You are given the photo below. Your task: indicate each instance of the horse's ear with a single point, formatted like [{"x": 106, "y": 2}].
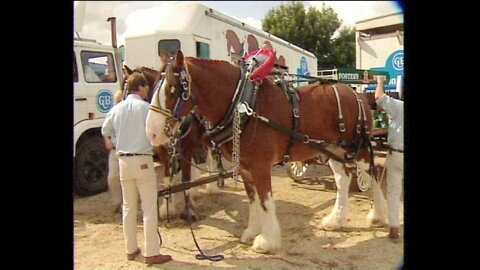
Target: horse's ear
[
  {"x": 178, "y": 61},
  {"x": 127, "y": 70}
]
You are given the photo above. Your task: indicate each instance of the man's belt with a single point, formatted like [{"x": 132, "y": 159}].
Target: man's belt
[
  {"x": 131, "y": 155},
  {"x": 390, "y": 150}
]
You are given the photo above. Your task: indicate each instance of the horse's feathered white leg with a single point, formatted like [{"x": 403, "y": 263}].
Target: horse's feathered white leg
[
  {"x": 176, "y": 203},
  {"x": 212, "y": 188},
  {"x": 377, "y": 217},
  {"x": 254, "y": 221},
  {"x": 175, "y": 206},
  {"x": 337, "y": 218},
  {"x": 270, "y": 238},
  {"x": 194, "y": 175}
]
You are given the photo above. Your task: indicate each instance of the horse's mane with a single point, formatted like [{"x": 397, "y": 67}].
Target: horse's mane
[
  {"x": 209, "y": 61},
  {"x": 143, "y": 68}
]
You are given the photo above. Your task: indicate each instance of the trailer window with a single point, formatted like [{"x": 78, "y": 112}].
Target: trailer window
[
  {"x": 203, "y": 50},
  {"x": 98, "y": 67},
  {"x": 172, "y": 46},
  {"x": 75, "y": 71}
]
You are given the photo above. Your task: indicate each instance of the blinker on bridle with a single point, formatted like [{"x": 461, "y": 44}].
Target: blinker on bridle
[{"x": 182, "y": 98}]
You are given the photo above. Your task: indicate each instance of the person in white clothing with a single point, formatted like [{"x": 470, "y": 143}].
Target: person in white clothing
[
  {"x": 394, "y": 160},
  {"x": 126, "y": 122},
  {"x": 113, "y": 177}
]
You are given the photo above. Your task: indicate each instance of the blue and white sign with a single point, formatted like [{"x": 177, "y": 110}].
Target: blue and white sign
[
  {"x": 303, "y": 71},
  {"x": 394, "y": 65},
  {"x": 397, "y": 61},
  {"x": 104, "y": 100}
]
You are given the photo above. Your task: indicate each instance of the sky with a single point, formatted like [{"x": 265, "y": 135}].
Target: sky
[{"x": 134, "y": 15}]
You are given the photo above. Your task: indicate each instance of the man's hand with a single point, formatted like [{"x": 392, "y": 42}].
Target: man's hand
[
  {"x": 380, "y": 80},
  {"x": 108, "y": 143},
  {"x": 379, "y": 92}
]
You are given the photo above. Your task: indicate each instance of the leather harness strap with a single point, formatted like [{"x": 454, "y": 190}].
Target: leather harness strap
[
  {"x": 317, "y": 145},
  {"x": 341, "y": 123},
  {"x": 294, "y": 99},
  {"x": 246, "y": 93}
]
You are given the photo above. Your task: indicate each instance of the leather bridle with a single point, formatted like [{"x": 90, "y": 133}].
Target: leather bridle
[{"x": 182, "y": 93}]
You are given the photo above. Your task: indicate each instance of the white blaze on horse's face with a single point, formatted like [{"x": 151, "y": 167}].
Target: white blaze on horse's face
[{"x": 156, "y": 121}]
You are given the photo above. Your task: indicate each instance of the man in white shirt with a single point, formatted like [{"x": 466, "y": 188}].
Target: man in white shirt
[
  {"x": 126, "y": 122},
  {"x": 394, "y": 160}
]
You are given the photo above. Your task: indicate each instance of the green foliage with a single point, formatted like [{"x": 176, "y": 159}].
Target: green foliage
[
  {"x": 343, "y": 49},
  {"x": 312, "y": 30}
]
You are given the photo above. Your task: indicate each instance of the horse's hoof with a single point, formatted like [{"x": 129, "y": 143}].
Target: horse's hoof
[
  {"x": 193, "y": 217},
  {"x": 248, "y": 236},
  {"x": 214, "y": 189},
  {"x": 164, "y": 213},
  {"x": 262, "y": 245},
  {"x": 117, "y": 209},
  {"x": 331, "y": 224},
  {"x": 376, "y": 220},
  {"x": 376, "y": 223}
]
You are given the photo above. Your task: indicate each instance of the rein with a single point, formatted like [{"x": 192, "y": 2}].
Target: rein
[
  {"x": 173, "y": 142},
  {"x": 159, "y": 109}
]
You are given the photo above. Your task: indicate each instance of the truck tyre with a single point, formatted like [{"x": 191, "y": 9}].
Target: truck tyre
[
  {"x": 91, "y": 167},
  {"x": 296, "y": 170}
]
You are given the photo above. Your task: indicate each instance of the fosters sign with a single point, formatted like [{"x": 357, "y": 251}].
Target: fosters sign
[{"x": 360, "y": 76}]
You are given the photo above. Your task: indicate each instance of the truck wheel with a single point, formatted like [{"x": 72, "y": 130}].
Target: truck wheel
[
  {"x": 296, "y": 170},
  {"x": 361, "y": 181},
  {"x": 91, "y": 167}
]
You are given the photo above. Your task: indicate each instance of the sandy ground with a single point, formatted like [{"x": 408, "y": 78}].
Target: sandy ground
[{"x": 223, "y": 217}]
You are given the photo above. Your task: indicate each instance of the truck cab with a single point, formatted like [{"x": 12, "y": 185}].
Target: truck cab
[{"x": 95, "y": 80}]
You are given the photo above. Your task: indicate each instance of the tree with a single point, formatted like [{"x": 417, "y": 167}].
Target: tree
[
  {"x": 313, "y": 31},
  {"x": 343, "y": 46}
]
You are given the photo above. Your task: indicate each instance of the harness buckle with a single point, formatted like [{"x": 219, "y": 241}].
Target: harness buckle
[
  {"x": 184, "y": 85},
  {"x": 185, "y": 95},
  {"x": 296, "y": 113},
  {"x": 306, "y": 139},
  {"x": 342, "y": 127},
  {"x": 286, "y": 158},
  {"x": 358, "y": 128},
  {"x": 245, "y": 108}
]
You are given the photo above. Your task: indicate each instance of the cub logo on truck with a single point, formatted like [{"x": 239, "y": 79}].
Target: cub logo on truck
[
  {"x": 397, "y": 61},
  {"x": 104, "y": 101}
]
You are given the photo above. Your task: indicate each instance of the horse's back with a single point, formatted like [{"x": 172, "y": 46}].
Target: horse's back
[{"x": 319, "y": 112}]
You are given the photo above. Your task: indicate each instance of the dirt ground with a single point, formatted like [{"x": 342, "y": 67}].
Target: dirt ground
[{"x": 223, "y": 217}]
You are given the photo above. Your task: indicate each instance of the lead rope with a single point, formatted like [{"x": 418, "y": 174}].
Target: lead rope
[
  {"x": 173, "y": 165},
  {"x": 201, "y": 256}
]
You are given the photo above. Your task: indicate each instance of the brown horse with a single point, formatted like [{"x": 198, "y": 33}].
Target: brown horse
[
  {"x": 189, "y": 146},
  {"x": 212, "y": 85}
]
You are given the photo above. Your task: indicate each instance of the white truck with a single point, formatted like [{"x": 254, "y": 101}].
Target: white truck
[
  {"x": 97, "y": 75},
  {"x": 199, "y": 31}
]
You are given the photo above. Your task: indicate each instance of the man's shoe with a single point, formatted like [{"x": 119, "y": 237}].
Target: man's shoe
[
  {"x": 159, "y": 259},
  {"x": 133, "y": 255},
  {"x": 393, "y": 234}
]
